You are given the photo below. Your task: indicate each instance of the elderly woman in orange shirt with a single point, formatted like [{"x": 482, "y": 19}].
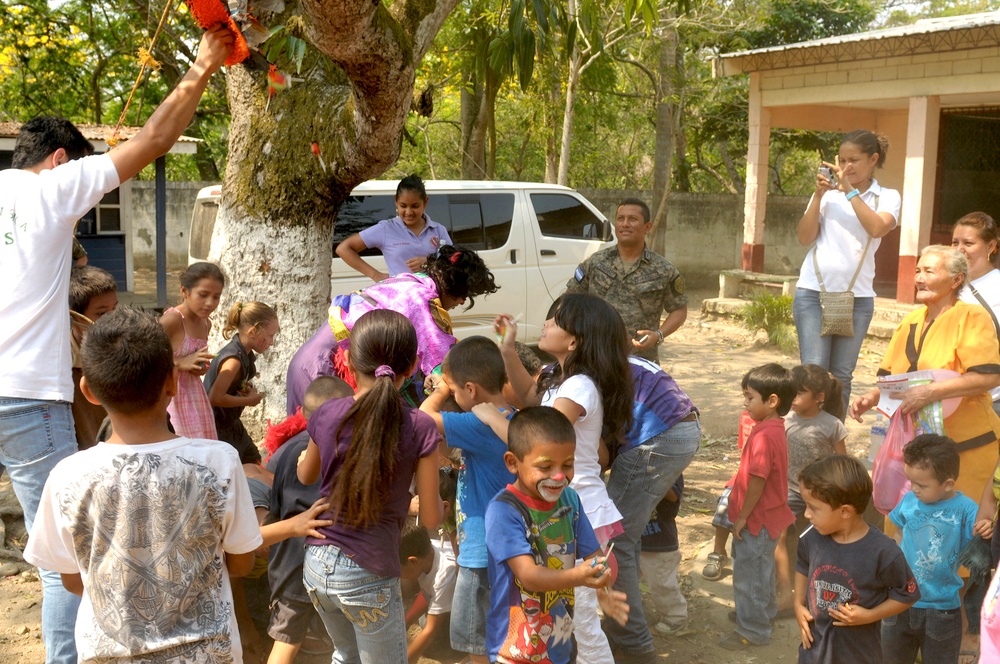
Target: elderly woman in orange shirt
[{"x": 947, "y": 333}]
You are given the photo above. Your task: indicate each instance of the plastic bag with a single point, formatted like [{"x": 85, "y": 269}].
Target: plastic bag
[{"x": 887, "y": 472}]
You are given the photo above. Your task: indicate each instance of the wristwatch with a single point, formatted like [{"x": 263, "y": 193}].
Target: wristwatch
[{"x": 660, "y": 335}]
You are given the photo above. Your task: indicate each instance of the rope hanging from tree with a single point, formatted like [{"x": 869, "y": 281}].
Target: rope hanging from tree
[{"x": 207, "y": 13}]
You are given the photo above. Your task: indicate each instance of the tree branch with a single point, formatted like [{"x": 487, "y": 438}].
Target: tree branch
[
  {"x": 644, "y": 69},
  {"x": 378, "y": 52}
]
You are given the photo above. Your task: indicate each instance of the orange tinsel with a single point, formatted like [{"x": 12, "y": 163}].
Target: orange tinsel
[{"x": 208, "y": 14}]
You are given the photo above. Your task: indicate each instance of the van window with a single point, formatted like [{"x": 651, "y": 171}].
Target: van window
[
  {"x": 358, "y": 213},
  {"x": 202, "y": 227},
  {"x": 479, "y": 221},
  {"x": 561, "y": 215}
]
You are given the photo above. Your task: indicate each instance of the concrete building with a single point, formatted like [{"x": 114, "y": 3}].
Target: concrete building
[{"x": 933, "y": 88}]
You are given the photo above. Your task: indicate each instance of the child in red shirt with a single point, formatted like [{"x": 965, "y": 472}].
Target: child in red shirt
[{"x": 758, "y": 505}]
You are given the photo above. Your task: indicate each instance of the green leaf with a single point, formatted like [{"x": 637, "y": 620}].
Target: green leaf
[
  {"x": 515, "y": 22},
  {"x": 571, "y": 37},
  {"x": 499, "y": 55},
  {"x": 296, "y": 52},
  {"x": 274, "y": 47},
  {"x": 540, "y": 15},
  {"x": 629, "y": 10},
  {"x": 526, "y": 60}
]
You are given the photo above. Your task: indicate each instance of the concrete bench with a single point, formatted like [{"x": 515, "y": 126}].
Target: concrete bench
[{"x": 739, "y": 283}]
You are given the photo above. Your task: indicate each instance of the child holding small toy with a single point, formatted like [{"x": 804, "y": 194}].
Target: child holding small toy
[
  {"x": 228, "y": 378},
  {"x": 188, "y": 326}
]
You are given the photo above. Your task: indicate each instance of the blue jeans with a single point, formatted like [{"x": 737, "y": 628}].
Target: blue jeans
[
  {"x": 754, "y": 586},
  {"x": 34, "y": 436},
  {"x": 937, "y": 634},
  {"x": 640, "y": 478},
  {"x": 362, "y": 610},
  {"x": 469, "y": 610},
  {"x": 838, "y": 355}
]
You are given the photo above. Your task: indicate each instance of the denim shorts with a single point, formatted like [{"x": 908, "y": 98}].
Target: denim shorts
[
  {"x": 721, "y": 518},
  {"x": 469, "y": 609}
]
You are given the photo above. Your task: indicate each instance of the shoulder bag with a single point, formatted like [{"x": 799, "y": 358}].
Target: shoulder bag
[{"x": 838, "y": 307}]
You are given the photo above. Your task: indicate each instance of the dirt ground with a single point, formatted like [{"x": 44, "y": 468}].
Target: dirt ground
[{"x": 708, "y": 359}]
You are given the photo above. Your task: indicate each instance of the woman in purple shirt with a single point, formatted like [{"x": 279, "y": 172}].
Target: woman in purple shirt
[{"x": 405, "y": 240}]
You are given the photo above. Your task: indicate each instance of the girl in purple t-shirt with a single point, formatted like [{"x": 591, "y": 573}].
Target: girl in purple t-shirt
[{"x": 367, "y": 450}]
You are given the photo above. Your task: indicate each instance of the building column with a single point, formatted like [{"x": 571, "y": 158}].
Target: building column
[
  {"x": 755, "y": 198},
  {"x": 919, "y": 175}
]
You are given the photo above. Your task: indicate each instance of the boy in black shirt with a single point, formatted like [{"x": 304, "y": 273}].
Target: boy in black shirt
[
  {"x": 849, "y": 575},
  {"x": 292, "y": 612}
]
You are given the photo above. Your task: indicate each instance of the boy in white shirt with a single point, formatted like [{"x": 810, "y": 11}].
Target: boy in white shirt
[{"x": 147, "y": 526}]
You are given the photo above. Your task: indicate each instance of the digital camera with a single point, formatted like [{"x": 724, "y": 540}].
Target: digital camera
[{"x": 828, "y": 172}]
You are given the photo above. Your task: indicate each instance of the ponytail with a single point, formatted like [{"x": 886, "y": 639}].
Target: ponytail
[
  {"x": 383, "y": 346},
  {"x": 246, "y": 316}
]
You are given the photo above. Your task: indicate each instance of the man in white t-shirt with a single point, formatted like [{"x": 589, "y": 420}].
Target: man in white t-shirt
[{"x": 51, "y": 185}]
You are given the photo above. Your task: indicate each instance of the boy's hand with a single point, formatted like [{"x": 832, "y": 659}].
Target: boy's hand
[
  {"x": 435, "y": 383},
  {"x": 803, "y": 617},
  {"x": 488, "y": 413},
  {"x": 983, "y": 528},
  {"x": 850, "y": 615},
  {"x": 614, "y": 603},
  {"x": 305, "y": 524},
  {"x": 593, "y": 575},
  {"x": 738, "y": 527}
]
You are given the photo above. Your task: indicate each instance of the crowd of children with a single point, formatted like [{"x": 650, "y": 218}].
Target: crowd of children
[
  {"x": 524, "y": 503},
  {"x": 502, "y": 579},
  {"x": 144, "y": 526}
]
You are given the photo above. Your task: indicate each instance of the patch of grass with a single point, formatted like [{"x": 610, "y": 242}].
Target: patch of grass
[{"x": 773, "y": 314}]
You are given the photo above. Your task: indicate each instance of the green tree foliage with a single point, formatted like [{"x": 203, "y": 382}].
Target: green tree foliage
[
  {"x": 790, "y": 21},
  {"x": 904, "y": 13},
  {"x": 78, "y": 59}
]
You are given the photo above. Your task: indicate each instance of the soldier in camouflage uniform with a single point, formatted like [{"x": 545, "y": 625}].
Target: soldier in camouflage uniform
[{"x": 639, "y": 283}]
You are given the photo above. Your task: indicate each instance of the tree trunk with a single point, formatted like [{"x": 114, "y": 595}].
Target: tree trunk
[
  {"x": 473, "y": 116},
  {"x": 551, "y": 144},
  {"x": 575, "y": 69},
  {"x": 273, "y": 234},
  {"x": 663, "y": 153},
  {"x": 492, "y": 89},
  {"x": 286, "y": 267}
]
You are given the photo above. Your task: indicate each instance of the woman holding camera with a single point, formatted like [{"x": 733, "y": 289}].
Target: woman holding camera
[{"x": 848, "y": 214}]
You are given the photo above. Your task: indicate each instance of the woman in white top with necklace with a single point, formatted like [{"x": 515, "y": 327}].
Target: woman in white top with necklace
[
  {"x": 845, "y": 219},
  {"x": 976, "y": 236}
]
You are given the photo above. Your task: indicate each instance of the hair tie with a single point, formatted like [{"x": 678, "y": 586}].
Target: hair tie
[
  {"x": 239, "y": 307},
  {"x": 385, "y": 370},
  {"x": 454, "y": 257}
]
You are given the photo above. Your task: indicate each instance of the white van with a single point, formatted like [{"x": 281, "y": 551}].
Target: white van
[{"x": 531, "y": 236}]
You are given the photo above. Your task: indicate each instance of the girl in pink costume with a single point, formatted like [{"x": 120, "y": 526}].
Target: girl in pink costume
[{"x": 452, "y": 276}]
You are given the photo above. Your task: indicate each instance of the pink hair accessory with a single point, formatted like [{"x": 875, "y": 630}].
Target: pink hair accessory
[{"x": 385, "y": 370}]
